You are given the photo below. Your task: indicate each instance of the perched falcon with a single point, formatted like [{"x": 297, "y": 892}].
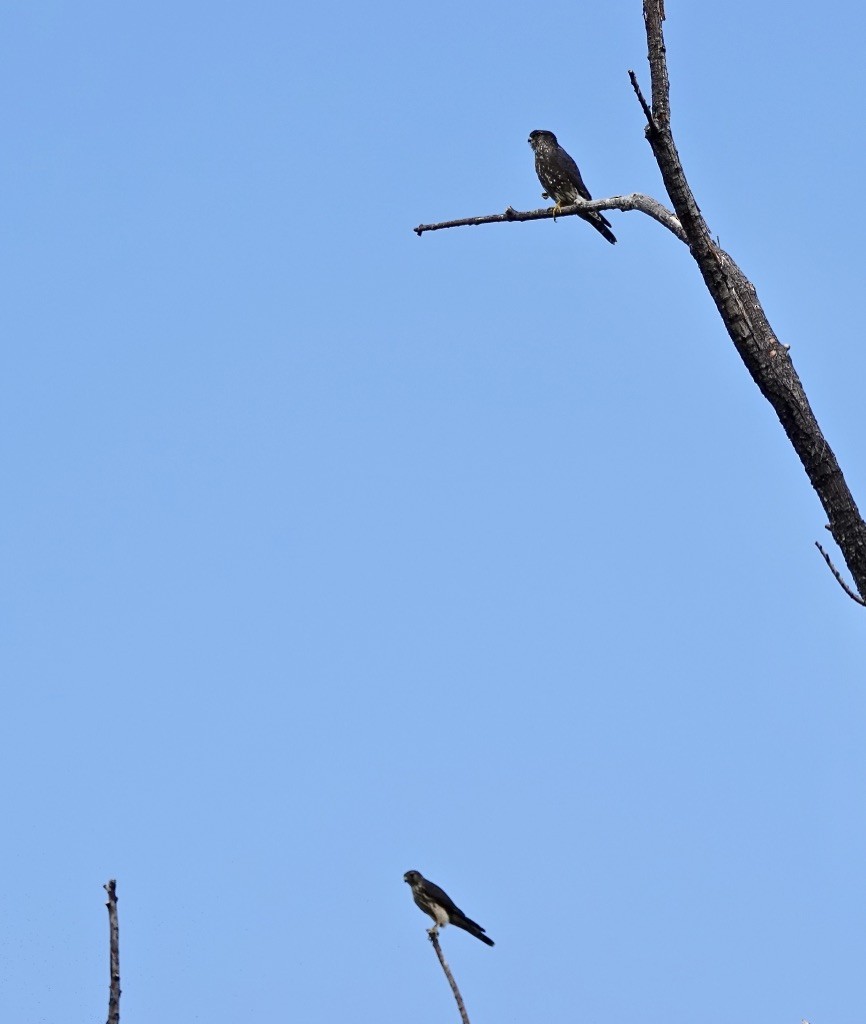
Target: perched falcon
[
  {"x": 561, "y": 179},
  {"x": 439, "y": 905}
]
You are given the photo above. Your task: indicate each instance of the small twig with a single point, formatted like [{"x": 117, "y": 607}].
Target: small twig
[
  {"x": 650, "y": 120},
  {"x": 643, "y": 204},
  {"x": 492, "y": 218},
  {"x": 114, "y": 953},
  {"x": 433, "y": 933},
  {"x": 839, "y": 580}
]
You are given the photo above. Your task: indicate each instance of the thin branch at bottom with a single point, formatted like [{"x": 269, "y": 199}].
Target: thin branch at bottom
[
  {"x": 434, "y": 938},
  {"x": 114, "y": 953}
]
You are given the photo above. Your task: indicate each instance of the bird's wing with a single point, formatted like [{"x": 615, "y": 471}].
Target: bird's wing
[
  {"x": 573, "y": 172},
  {"x": 442, "y": 898}
]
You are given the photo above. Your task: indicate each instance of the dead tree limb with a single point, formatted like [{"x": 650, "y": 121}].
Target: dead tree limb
[
  {"x": 434, "y": 938},
  {"x": 644, "y": 204},
  {"x": 765, "y": 357},
  {"x": 114, "y": 954}
]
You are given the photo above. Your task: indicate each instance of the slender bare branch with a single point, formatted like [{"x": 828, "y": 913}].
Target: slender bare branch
[
  {"x": 114, "y": 953},
  {"x": 644, "y": 204},
  {"x": 433, "y": 934},
  {"x": 648, "y": 114},
  {"x": 838, "y": 575}
]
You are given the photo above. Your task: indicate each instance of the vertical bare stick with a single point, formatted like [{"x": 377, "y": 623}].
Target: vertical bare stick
[
  {"x": 434, "y": 938},
  {"x": 114, "y": 947}
]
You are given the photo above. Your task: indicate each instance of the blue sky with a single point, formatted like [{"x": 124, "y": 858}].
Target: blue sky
[{"x": 330, "y": 552}]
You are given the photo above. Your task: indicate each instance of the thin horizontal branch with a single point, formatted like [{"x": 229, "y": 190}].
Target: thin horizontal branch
[{"x": 643, "y": 204}]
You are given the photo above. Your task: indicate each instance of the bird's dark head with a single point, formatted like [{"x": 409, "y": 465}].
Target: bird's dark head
[
  {"x": 412, "y": 877},
  {"x": 540, "y": 137}
]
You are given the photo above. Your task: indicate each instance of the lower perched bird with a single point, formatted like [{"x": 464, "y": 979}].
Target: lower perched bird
[
  {"x": 561, "y": 179},
  {"x": 439, "y": 905}
]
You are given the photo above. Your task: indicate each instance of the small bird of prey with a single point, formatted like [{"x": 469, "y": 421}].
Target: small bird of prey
[
  {"x": 439, "y": 905},
  {"x": 561, "y": 179}
]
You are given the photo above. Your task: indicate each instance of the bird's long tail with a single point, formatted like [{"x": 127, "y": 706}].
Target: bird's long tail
[
  {"x": 601, "y": 225},
  {"x": 473, "y": 928}
]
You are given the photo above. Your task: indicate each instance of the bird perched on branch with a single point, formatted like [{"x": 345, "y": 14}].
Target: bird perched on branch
[
  {"x": 439, "y": 905},
  {"x": 561, "y": 179}
]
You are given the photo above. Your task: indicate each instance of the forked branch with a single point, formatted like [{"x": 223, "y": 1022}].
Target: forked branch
[{"x": 765, "y": 357}]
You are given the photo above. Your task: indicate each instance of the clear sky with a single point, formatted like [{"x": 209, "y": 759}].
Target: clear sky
[{"x": 330, "y": 552}]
